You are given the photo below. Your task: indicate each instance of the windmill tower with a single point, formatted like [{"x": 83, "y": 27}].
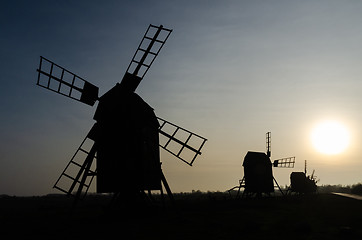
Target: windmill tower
[
  {"x": 258, "y": 174},
  {"x": 122, "y": 148}
]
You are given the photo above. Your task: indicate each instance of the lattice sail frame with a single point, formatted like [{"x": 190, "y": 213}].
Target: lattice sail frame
[
  {"x": 58, "y": 79},
  {"x": 148, "y": 49},
  {"x": 180, "y": 142},
  {"x": 80, "y": 170},
  {"x": 284, "y": 162}
]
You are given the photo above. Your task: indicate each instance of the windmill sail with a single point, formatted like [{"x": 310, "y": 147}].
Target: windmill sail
[
  {"x": 182, "y": 143},
  {"x": 80, "y": 170},
  {"x": 146, "y": 53},
  {"x": 57, "y": 79},
  {"x": 284, "y": 162}
]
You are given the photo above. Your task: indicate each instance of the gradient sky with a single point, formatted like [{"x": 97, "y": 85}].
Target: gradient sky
[{"x": 230, "y": 71}]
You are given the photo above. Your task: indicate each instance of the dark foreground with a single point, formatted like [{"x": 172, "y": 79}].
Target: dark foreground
[{"x": 195, "y": 216}]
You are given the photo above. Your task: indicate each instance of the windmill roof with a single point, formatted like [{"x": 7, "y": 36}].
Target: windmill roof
[{"x": 255, "y": 158}]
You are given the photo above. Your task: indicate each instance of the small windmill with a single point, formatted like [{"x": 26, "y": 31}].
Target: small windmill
[
  {"x": 258, "y": 174},
  {"x": 301, "y": 183},
  {"x": 126, "y": 137}
]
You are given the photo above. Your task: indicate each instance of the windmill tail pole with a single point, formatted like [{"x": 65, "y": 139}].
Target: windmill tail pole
[{"x": 167, "y": 187}]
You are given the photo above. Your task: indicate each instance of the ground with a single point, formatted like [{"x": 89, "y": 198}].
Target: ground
[{"x": 194, "y": 216}]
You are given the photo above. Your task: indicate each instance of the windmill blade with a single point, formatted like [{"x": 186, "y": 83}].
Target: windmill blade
[
  {"x": 312, "y": 176},
  {"x": 284, "y": 162},
  {"x": 57, "y": 79},
  {"x": 80, "y": 170},
  {"x": 147, "y": 51},
  {"x": 182, "y": 143}
]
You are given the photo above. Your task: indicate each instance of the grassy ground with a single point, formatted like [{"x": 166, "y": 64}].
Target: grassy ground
[{"x": 194, "y": 216}]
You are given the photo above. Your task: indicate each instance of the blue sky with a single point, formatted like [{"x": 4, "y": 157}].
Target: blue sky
[{"x": 230, "y": 71}]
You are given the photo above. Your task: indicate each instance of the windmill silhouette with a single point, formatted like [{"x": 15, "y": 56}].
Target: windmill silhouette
[
  {"x": 124, "y": 142},
  {"x": 258, "y": 174},
  {"x": 301, "y": 183}
]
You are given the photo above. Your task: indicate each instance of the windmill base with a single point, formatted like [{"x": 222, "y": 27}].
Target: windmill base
[
  {"x": 250, "y": 194},
  {"x": 145, "y": 196}
]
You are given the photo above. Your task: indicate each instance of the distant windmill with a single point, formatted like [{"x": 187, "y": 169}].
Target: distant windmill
[
  {"x": 258, "y": 174},
  {"x": 301, "y": 183},
  {"x": 124, "y": 141}
]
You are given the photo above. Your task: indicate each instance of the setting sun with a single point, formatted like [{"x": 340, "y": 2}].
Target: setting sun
[{"x": 330, "y": 137}]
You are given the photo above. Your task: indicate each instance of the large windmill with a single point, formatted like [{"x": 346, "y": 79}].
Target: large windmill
[
  {"x": 124, "y": 142},
  {"x": 258, "y": 174}
]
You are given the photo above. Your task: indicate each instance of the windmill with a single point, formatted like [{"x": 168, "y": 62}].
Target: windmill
[
  {"x": 301, "y": 183},
  {"x": 258, "y": 174},
  {"x": 122, "y": 148}
]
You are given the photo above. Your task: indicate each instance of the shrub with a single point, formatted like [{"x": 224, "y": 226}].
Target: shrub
[{"x": 357, "y": 189}]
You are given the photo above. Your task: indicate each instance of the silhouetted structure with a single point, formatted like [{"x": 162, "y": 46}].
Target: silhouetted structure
[
  {"x": 125, "y": 138},
  {"x": 258, "y": 174},
  {"x": 300, "y": 183}
]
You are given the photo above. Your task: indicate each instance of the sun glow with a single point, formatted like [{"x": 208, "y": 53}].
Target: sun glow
[{"x": 330, "y": 137}]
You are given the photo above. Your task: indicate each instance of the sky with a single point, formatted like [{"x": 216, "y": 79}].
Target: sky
[{"x": 230, "y": 71}]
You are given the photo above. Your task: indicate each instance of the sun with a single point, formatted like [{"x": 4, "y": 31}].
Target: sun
[{"x": 330, "y": 137}]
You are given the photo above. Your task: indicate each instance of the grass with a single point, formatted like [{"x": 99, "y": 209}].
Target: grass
[{"x": 194, "y": 216}]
